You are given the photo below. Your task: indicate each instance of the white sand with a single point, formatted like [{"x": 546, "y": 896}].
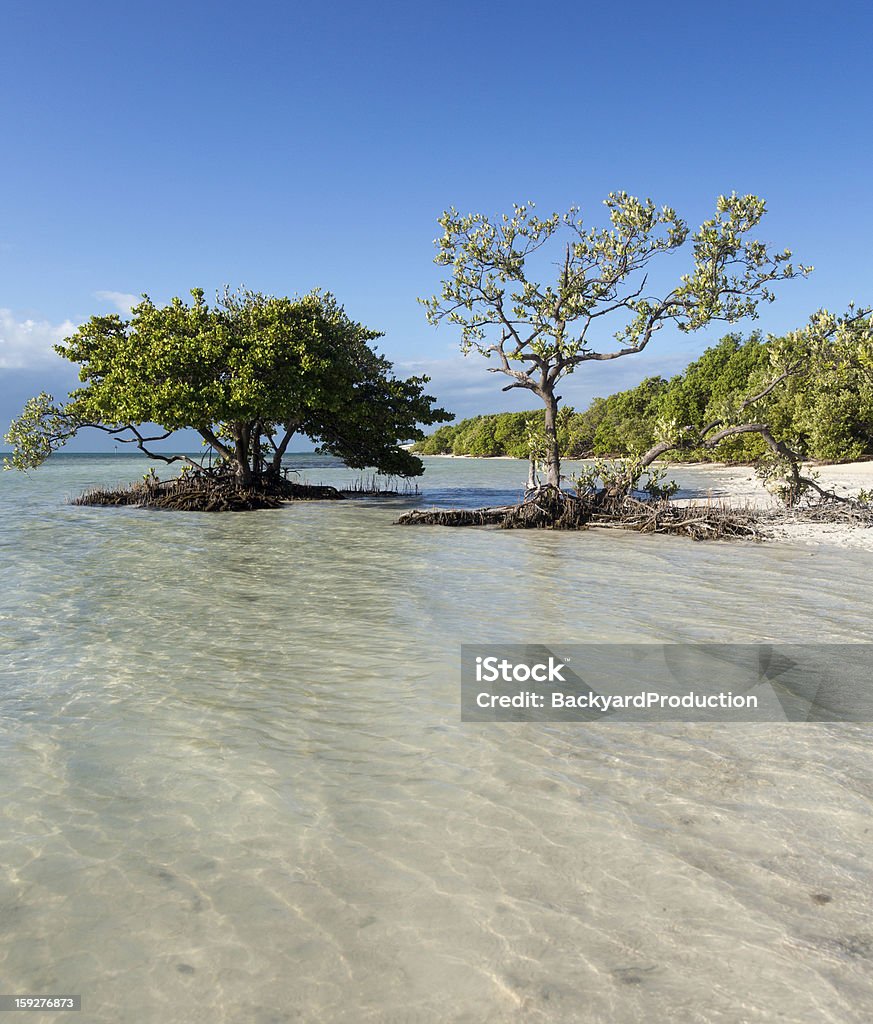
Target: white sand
[{"x": 738, "y": 485}]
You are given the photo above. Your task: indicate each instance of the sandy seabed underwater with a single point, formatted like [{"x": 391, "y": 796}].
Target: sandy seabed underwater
[{"x": 235, "y": 785}]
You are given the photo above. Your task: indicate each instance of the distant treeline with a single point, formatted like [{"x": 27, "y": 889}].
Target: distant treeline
[{"x": 826, "y": 420}]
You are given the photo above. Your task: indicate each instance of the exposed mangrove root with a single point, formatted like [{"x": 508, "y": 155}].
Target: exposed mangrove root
[
  {"x": 209, "y": 500},
  {"x": 455, "y": 516},
  {"x": 196, "y": 493},
  {"x": 289, "y": 491},
  {"x": 556, "y": 510},
  {"x": 372, "y": 487},
  {"x": 699, "y": 522},
  {"x": 839, "y": 512},
  {"x": 550, "y": 509}
]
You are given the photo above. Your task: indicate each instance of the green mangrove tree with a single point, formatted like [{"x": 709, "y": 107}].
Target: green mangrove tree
[
  {"x": 248, "y": 373},
  {"x": 537, "y": 333}
]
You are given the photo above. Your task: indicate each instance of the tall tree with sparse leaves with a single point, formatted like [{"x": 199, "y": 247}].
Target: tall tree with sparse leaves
[{"x": 539, "y": 333}]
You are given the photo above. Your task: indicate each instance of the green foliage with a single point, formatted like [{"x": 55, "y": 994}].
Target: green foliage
[
  {"x": 824, "y": 406},
  {"x": 657, "y": 485},
  {"x": 245, "y": 372},
  {"x": 778, "y": 475},
  {"x": 582, "y": 429},
  {"x": 628, "y": 423},
  {"x": 41, "y": 427},
  {"x": 537, "y": 446},
  {"x": 623, "y": 476},
  {"x": 711, "y": 388},
  {"x": 536, "y": 333},
  {"x": 482, "y": 436},
  {"x": 490, "y": 295}
]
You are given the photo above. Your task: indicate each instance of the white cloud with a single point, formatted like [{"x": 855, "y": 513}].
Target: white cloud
[
  {"x": 26, "y": 343},
  {"x": 29, "y": 343},
  {"x": 123, "y": 301},
  {"x": 462, "y": 385}
]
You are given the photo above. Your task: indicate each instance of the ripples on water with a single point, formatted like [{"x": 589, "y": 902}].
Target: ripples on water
[{"x": 235, "y": 785}]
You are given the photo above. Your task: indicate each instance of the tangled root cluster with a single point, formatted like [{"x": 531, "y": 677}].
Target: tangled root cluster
[
  {"x": 551, "y": 509},
  {"x": 197, "y": 494}
]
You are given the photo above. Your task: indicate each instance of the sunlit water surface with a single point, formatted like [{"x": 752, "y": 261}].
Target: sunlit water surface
[{"x": 235, "y": 786}]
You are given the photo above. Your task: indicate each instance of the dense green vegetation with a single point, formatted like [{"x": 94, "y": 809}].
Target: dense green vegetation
[
  {"x": 826, "y": 415},
  {"x": 248, "y": 374}
]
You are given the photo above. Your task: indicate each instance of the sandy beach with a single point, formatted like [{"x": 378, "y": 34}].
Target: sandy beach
[{"x": 738, "y": 485}]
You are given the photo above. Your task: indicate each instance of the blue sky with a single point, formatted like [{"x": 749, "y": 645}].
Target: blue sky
[{"x": 152, "y": 148}]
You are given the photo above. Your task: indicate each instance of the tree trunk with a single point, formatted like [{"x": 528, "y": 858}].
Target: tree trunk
[
  {"x": 243, "y": 473},
  {"x": 256, "y": 456},
  {"x": 276, "y": 464},
  {"x": 553, "y": 457},
  {"x": 241, "y": 456}
]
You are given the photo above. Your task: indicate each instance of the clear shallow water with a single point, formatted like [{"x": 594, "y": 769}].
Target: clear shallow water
[{"x": 235, "y": 786}]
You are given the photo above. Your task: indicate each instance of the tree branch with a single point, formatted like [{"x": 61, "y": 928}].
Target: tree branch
[{"x": 220, "y": 447}]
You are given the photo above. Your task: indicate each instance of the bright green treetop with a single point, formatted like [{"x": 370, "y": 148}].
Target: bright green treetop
[{"x": 248, "y": 374}]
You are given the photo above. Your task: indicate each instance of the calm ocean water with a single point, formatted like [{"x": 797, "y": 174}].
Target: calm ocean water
[{"x": 235, "y": 786}]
